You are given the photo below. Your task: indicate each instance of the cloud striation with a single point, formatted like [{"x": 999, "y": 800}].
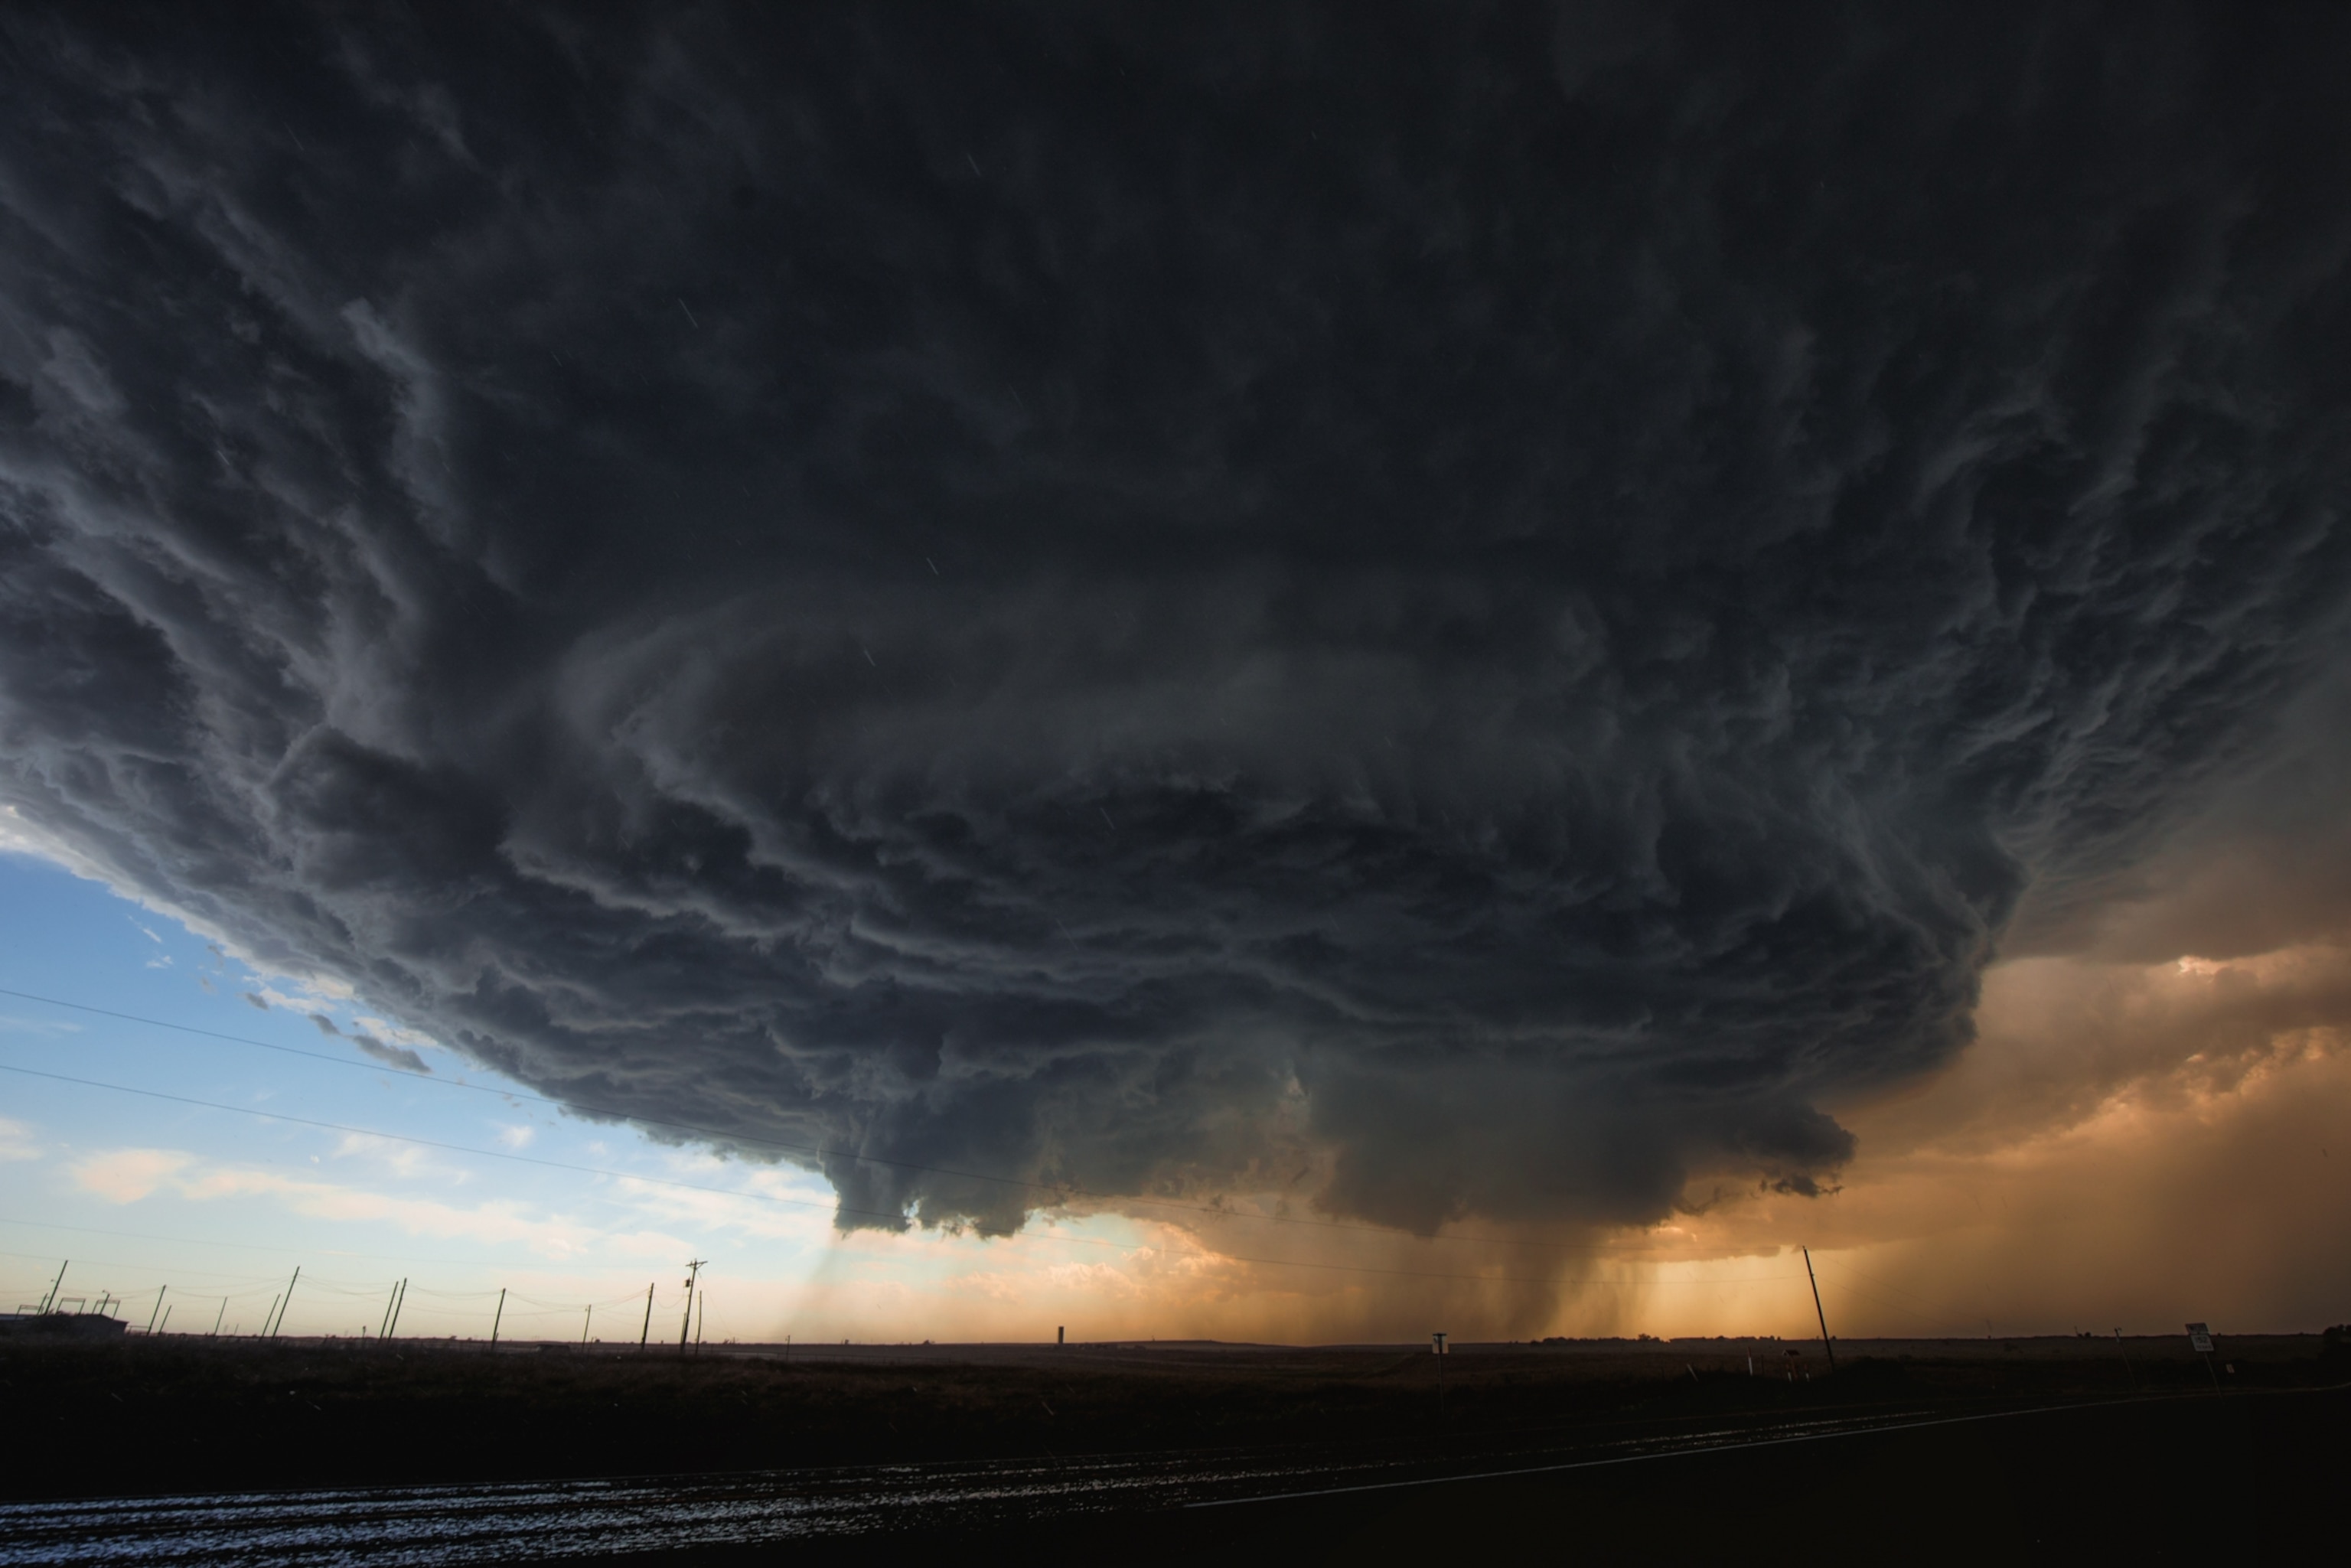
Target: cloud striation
[{"x": 1463, "y": 614}]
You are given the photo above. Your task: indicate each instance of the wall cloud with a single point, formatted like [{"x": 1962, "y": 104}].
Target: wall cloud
[{"x": 1463, "y": 616}]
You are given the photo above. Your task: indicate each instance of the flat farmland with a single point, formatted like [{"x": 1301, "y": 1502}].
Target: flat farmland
[
  {"x": 171, "y": 1413},
  {"x": 196, "y": 1452}
]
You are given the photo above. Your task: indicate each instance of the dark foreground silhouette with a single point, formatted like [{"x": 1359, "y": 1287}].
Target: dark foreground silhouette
[{"x": 1929, "y": 1451}]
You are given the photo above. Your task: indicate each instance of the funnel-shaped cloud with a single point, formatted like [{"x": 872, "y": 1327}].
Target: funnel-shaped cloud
[{"x": 1460, "y": 616}]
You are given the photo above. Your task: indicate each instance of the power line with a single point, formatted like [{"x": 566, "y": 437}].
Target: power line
[
  {"x": 299, "y": 1251},
  {"x": 1910, "y": 1305},
  {"x": 263, "y": 1282},
  {"x": 329, "y": 1287},
  {"x": 806, "y": 1203},
  {"x": 1060, "y": 1191}
]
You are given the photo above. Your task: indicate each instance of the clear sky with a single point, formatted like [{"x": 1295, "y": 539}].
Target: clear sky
[{"x": 1230, "y": 673}]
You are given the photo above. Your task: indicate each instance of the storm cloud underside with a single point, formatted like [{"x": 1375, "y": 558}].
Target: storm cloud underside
[{"x": 1471, "y": 615}]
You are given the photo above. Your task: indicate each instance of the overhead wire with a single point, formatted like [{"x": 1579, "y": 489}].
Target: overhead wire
[
  {"x": 294, "y": 1251},
  {"x": 312, "y": 1285},
  {"x": 1885, "y": 1301},
  {"x": 1062, "y": 1192},
  {"x": 144, "y": 1268},
  {"x": 802, "y": 1203},
  {"x": 1916, "y": 1302},
  {"x": 1841, "y": 1266}
]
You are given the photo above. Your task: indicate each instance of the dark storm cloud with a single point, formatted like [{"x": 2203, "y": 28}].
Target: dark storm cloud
[{"x": 1483, "y": 605}]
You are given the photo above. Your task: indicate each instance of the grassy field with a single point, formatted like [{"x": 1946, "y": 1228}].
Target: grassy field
[{"x": 182, "y": 1413}]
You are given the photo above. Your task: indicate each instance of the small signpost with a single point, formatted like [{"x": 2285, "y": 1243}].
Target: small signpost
[{"x": 2200, "y": 1340}]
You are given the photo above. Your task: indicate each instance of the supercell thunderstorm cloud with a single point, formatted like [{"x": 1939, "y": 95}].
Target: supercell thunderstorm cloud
[{"x": 1447, "y": 614}]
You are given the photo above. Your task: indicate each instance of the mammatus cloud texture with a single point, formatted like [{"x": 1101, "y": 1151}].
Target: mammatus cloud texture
[{"x": 1462, "y": 615}]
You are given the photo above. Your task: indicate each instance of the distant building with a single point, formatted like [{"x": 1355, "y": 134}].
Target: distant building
[{"x": 60, "y": 1325}]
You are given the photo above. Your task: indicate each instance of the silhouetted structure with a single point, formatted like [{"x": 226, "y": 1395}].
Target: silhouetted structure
[{"x": 61, "y": 1325}]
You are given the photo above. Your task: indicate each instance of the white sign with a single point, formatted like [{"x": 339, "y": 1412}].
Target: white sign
[{"x": 2199, "y": 1339}]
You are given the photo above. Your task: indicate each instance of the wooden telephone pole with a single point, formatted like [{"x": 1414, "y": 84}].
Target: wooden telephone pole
[
  {"x": 391, "y": 1310},
  {"x": 286, "y": 1300},
  {"x": 1827, "y": 1343},
  {"x": 693, "y": 1272}
]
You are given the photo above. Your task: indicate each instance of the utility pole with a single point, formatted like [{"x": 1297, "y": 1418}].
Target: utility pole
[
  {"x": 399, "y": 1300},
  {"x": 167, "y": 1320},
  {"x": 693, "y": 1272},
  {"x": 701, "y": 1316},
  {"x": 501, "y": 1316},
  {"x": 218, "y": 1315},
  {"x": 1827, "y": 1343},
  {"x": 2129, "y": 1370},
  {"x": 588, "y": 1322},
  {"x": 265, "y": 1317},
  {"x": 159, "y": 1307},
  {"x": 645, "y": 1333},
  {"x": 57, "y": 1284},
  {"x": 289, "y": 1299}
]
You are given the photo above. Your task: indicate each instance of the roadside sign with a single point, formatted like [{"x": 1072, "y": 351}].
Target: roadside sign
[{"x": 2199, "y": 1339}]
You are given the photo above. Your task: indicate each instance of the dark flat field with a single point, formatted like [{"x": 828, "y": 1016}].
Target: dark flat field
[
  {"x": 414, "y": 1451},
  {"x": 218, "y": 1413}
]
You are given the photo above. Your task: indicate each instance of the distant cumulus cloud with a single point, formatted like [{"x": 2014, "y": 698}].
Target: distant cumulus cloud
[
  {"x": 17, "y": 1141},
  {"x": 398, "y": 1056},
  {"x": 1476, "y": 615}
]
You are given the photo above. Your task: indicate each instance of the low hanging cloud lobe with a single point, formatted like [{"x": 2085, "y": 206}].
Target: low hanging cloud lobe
[{"x": 1462, "y": 612}]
